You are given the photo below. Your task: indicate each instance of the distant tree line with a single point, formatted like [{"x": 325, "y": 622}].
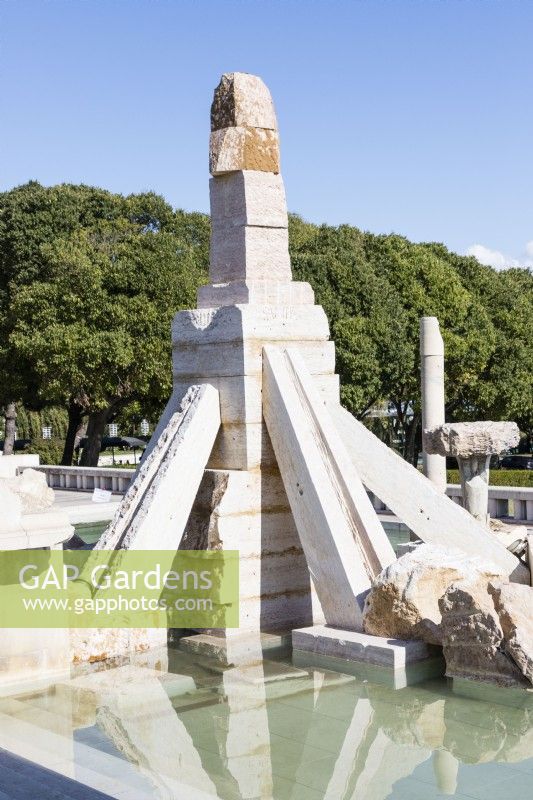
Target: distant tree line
[{"x": 90, "y": 281}]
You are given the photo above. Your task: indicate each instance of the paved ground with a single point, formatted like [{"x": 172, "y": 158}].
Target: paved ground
[
  {"x": 80, "y": 507},
  {"x": 22, "y": 780}
]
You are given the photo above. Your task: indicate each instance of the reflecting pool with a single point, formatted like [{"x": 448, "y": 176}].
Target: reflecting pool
[{"x": 177, "y": 725}]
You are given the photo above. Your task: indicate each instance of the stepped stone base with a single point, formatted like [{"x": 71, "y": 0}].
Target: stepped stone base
[
  {"x": 395, "y": 662},
  {"x": 242, "y": 648}
]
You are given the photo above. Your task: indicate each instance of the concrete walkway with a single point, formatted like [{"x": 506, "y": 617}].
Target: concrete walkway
[
  {"x": 79, "y": 506},
  {"x": 22, "y": 780}
]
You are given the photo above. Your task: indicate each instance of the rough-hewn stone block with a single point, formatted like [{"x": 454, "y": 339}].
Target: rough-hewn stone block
[
  {"x": 246, "y": 358},
  {"x": 251, "y": 323},
  {"x": 242, "y": 99},
  {"x": 238, "y": 253},
  {"x": 248, "y": 198},
  {"x": 256, "y": 292},
  {"x": 361, "y": 647},
  {"x": 233, "y": 149}
]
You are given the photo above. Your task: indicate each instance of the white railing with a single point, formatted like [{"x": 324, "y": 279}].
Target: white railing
[
  {"x": 505, "y": 502},
  {"x": 514, "y": 502},
  {"x": 85, "y": 479}
]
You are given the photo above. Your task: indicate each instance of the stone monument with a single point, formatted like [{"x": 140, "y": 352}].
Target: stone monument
[{"x": 254, "y": 452}]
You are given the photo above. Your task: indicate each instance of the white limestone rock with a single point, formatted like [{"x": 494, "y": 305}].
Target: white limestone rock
[
  {"x": 404, "y": 600},
  {"x": 466, "y": 439},
  {"x": 238, "y": 253},
  {"x": 33, "y": 491},
  {"x": 473, "y": 638},
  {"x": 242, "y": 99},
  {"x": 248, "y": 198},
  {"x": 514, "y": 606}
]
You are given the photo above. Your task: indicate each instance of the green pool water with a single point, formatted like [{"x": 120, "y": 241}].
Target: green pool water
[
  {"x": 90, "y": 532},
  {"x": 173, "y": 725}
]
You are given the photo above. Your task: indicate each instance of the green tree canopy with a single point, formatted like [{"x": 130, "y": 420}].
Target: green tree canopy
[{"x": 90, "y": 302}]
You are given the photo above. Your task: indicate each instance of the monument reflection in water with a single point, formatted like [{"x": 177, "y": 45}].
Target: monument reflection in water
[{"x": 265, "y": 729}]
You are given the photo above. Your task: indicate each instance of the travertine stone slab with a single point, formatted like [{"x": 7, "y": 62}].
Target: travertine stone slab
[
  {"x": 242, "y": 99},
  {"x": 248, "y": 198},
  {"x": 356, "y": 646},
  {"x": 29, "y": 518},
  {"x": 126, "y": 682},
  {"x": 234, "y": 149},
  {"x": 277, "y": 527},
  {"x": 251, "y": 323},
  {"x": 241, "y": 396},
  {"x": 249, "y": 252},
  {"x": 232, "y": 358},
  {"x": 344, "y": 542},
  {"x": 242, "y": 446},
  {"x": 249, "y": 511},
  {"x": 244, "y": 488},
  {"x": 152, "y": 514},
  {"x": 434, "y": 518},
  {"x": 21, "y": 531},
  {"x": 256, "y": 292}
]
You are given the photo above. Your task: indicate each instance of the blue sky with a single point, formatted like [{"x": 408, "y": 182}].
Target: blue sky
[{"x": 413, "y": 116}]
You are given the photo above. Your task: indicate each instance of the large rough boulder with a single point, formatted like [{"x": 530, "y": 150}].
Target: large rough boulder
[
  {"x": 32, "y": 491},
  {"x": 404, "y": 600},
  {"x": 514, "y": 605},
  {"x": 472, "y": 636}
]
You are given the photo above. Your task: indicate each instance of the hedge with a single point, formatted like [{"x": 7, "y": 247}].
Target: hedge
[{"x": 501, "y": 477}]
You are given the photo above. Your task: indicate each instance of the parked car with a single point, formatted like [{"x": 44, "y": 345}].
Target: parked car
[{"x": 517, "y": 462}]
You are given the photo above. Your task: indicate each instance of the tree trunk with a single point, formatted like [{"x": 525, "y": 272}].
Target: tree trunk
[
  {"x": 10, "y": 415},
  {"x": 412, "y": 440},
  {"x": 75, "y": 417},
  {"x": 95, "y": 432}
]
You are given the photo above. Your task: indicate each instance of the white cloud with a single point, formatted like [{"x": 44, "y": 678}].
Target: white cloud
[{"x": 499, "y": 260}]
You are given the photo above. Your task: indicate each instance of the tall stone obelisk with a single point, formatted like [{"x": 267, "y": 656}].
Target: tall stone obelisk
[{"x": 251, "y": 301}]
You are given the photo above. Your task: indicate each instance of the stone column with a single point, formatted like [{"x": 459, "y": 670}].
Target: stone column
[
  {"x": 473, "y": 443},
  {"x": 432, "y": 371}
]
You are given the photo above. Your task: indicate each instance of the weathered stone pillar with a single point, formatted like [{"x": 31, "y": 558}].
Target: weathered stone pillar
[
  {"x": 251, "y": 301},
  {"x": 473, "y": 443},
  {"x": 432, "y": 372}
]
